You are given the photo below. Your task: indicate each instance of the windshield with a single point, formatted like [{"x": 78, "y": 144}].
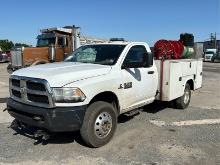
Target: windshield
[
  {"x": 209, "y": 52},
  {"x": 45, "y": 42},
  {"x": 97, "y": 54}
]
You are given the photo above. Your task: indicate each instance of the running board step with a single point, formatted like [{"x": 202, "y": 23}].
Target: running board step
[{"x": 133, "y": 112}]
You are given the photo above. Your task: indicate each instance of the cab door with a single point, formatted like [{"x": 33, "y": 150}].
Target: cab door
[
  {"x": 62, "y": 48},
  {"x": 139, "y": 82}
]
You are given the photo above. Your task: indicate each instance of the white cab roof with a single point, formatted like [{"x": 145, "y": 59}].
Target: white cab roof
[{"x": 56, "y": 29}]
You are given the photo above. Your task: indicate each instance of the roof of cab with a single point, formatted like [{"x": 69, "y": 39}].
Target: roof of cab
[{"x": 117, "y": 43}]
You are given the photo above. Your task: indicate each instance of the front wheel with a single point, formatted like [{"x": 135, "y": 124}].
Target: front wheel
[
  {"x": 183, "y": 101},
  {"x": 10, "y": 69},
  {"x": 99, "y": 124},
  {"x": 213, "y": 60}
]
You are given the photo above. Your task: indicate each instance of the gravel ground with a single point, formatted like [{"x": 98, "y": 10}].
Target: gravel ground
[{"x": 138, "y": 139}]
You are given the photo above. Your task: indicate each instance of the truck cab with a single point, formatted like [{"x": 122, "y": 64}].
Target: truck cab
[
  {"x": 53, "y": 45},
  {"x": 209, "y": 54}
]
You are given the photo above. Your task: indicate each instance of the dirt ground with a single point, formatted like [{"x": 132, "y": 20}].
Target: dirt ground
[{"x": 157, "y": 135}]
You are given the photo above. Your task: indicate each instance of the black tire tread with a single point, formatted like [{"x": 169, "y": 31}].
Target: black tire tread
[
  {"x": 89, "y": 117},
  {"x": 179, "y": 103}
]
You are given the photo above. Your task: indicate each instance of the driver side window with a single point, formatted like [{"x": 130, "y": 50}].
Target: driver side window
[{"x": 136, "y": 55}]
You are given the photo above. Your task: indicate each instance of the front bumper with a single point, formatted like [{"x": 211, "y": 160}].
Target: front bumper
[
  {"x": 208, "y": 58},
  {"x": 59, "y": 119}
]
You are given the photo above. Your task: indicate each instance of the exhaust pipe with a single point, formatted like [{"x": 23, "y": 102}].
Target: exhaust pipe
[{"x": 52, "y": 53}]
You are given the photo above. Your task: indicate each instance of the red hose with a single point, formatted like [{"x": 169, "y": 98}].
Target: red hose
[{"x": 168, "y": 49}]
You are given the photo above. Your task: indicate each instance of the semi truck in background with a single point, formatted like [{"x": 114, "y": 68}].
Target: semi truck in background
[
  {"x": 53, "y": 45},
  {"x": 98, "y": 82},
  {"x": 209, "y": 54}
]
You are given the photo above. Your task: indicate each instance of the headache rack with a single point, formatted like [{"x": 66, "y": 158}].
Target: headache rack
[{"x": 32, "y": 91}]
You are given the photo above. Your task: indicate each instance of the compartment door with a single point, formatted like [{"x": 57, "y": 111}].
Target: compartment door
[
  {"x": 176, "y": 83},
  {"x": 198, "y": 81}
]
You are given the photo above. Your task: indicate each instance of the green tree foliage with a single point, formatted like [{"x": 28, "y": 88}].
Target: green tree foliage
[
  {"x": 6, "y": 45},
  {"x": 22, "y": 45}
]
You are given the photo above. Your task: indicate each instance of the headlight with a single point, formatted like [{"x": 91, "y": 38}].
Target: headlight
[{"x": 68, "y": 95}]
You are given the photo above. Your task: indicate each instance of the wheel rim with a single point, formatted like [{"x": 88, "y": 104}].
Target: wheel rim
[
  {"x": 186, "y": 97},
  {"x": 103, "y": 125}
]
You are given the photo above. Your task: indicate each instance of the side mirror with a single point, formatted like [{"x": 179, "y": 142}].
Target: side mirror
[{"x": 148, "y": 59}]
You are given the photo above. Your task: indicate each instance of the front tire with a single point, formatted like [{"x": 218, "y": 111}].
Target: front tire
[
  {"x": 213, "y": 60},
  {"x": 99, "y": 124},
  {"x": 10, "y": 69},
  {"x": 183, "y": 101}
]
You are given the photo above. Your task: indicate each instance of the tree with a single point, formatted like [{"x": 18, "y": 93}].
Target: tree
[
  {"x": 6, "y": 45},
  {"x": 22, "y": 45}
]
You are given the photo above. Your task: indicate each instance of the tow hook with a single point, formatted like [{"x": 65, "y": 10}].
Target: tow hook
[
  {"x": 37, "y": 118},
  {"x": 41, "y": 133},
  {"x": 17, "y": 124},
  {"x": 5, "y": 109},
  {"x": 38, "y": 134}
]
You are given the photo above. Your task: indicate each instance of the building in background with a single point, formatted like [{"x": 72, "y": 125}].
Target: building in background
[{"x": 211, "y": 44}]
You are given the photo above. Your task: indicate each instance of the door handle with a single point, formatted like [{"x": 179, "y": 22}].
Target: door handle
[{"x": 150, "y": 72}]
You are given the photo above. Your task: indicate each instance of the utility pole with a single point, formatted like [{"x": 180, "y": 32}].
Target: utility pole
[{"x": 215, "y": 41}]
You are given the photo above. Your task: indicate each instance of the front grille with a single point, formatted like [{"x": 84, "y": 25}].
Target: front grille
[
  {"x": 38, "y": 98},
  {"x": 31, "y": 91},
  {"x": 16, "y": 93},
  {"x": 35, "y": 86},
  {"x": 15, "y": 82}
]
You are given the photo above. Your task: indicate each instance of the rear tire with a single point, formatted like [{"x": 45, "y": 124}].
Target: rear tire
[
  {"x": 99, "y": 124},
  {"x": 183, "y": 101}
]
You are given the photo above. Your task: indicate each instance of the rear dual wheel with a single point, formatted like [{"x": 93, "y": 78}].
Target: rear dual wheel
[{"x": 183, "y": 101}]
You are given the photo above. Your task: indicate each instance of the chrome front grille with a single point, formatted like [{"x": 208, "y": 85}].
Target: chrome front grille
[{"x": 31, "y": 91}]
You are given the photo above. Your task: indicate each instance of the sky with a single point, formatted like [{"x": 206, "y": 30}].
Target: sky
[{"x": 134, "y": 20}]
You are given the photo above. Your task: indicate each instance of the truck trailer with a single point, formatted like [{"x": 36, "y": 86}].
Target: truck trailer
[{"x": 96, "y": 84}]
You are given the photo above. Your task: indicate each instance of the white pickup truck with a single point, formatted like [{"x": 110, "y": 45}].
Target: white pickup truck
[{"x": 97, "y": 83}]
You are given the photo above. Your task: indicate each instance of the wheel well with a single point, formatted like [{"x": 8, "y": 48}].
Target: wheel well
[
  {"x": 191, "y": 84},
  {"x": 109, "y": 97}
]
